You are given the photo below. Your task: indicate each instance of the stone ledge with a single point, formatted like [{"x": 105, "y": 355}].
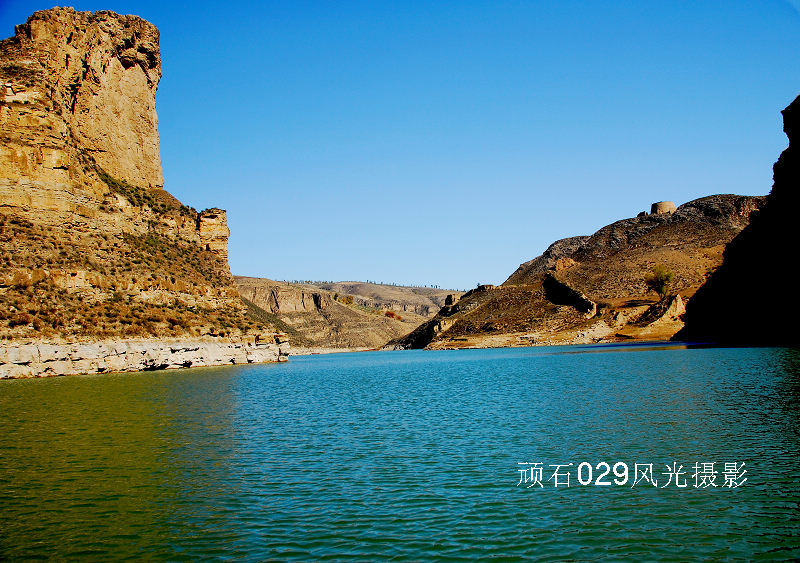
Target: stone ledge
[{"x": 47, "y": 360}]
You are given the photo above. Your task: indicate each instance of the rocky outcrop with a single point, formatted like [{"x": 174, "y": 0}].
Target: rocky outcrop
[
  {"x": 557, "y": 252},
  {"x": 282, "y": 300},
  {"x": 744, "y": 301},
  {"x": 669, "y": 309},
  {"x": 212, "y": 227},
  {"x": 91, "y": 247},
  {"x": 45, "y": 360},
  {"x": 82, "y": 86}
]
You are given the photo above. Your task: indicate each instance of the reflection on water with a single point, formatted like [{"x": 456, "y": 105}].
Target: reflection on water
[
  {"x": 626, "y": 347},
  {"x": 412, "y": 455}
]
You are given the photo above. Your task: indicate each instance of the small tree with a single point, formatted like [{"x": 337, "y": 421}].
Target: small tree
[{"x": 659, "y": 280}]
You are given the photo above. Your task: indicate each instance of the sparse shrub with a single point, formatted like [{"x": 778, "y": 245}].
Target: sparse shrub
[
  {"x": 660, "y": 280},
  {"x": 22, "y": 319}
]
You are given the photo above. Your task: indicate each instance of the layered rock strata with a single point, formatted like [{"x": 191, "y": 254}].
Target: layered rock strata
[
  {"x": 317, "y": 318},
  {"x": 212, "y": 228},
  {"x": 91, "y": 246},
  {"x": 45, "y": 360},
  {"x": 81, "y": 86}
]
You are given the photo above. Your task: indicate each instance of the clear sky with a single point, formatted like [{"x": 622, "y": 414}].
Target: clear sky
[{"x": 447, "y": 142}]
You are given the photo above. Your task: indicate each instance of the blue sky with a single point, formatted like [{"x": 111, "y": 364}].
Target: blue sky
[{"x": 447, "y": 142}]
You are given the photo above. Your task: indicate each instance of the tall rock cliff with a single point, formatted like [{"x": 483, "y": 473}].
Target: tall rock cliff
[
  {"x": 749, "y": 299},
  {"x": 81, "y": 86},
  {"x": 91, "y": 246}
]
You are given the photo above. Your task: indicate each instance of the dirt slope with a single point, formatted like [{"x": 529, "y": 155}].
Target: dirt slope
[{"x": 592, "y": 288}]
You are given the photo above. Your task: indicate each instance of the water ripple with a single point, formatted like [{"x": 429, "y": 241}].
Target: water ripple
[{"x": 405, "y": 456}]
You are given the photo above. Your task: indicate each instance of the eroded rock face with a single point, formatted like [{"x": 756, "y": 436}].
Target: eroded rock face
[
  {"x": 556, "y": 253},
  {"x": 45, "y": 360},
  {"x": 91, "y": 246},
  {"x": 82, "y": 85},
  {"x": 321, "y": 318}
]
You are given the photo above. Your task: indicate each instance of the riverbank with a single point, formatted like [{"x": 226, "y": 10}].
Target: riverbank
[
  {"x": 47, "y": 359},
  {"x": 314, "y": 350}
]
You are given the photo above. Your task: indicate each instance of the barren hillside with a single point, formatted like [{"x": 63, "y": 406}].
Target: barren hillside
[
  {"x": 342, "y": 314},
  {"x": 592, "y": 288}
]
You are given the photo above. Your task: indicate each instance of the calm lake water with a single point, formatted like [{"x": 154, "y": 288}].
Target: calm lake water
[{"x": 410, "y": 455}]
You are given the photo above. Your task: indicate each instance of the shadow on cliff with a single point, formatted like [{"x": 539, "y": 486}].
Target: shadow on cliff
[{"x": 750, "y": 299}]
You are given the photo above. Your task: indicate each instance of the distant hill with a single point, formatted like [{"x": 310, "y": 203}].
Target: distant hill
[
  {"x": 592, "y": 288},
  {"x": 341, "y": 314}
]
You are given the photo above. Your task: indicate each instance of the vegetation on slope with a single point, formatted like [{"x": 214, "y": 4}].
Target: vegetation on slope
[{"x": 81, "y": 283}]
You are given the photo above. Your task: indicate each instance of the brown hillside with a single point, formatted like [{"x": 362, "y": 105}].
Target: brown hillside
[
  {"x": 592, "y": 288},
  {"x": 422, "y": 301}
]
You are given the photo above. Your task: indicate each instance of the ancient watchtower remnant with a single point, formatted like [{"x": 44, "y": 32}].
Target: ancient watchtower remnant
[{"x": 661, "y": 207}]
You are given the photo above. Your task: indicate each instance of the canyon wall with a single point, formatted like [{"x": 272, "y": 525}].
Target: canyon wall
[
  {"x": 318, "y": 318},
  {"x": 91, "y": 246},
  {"x": 81, "y": 86}
]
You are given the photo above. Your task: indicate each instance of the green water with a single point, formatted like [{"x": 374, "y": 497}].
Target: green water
[{"x": 406, "y": 455}]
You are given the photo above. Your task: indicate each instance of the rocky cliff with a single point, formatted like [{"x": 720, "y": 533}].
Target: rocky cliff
[
  {"x": 343, "y": 314},
  {"x": 592, "y": 288},
  {"x": 91, "y": 246},
  {"x": 737, "y": 305},
  {"x": 80, "y": 88}
]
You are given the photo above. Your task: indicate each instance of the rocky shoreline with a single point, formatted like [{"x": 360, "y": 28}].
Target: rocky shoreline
[
  {"x": 316, "y": 350},
  {"x": 48, "y": 360}
]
